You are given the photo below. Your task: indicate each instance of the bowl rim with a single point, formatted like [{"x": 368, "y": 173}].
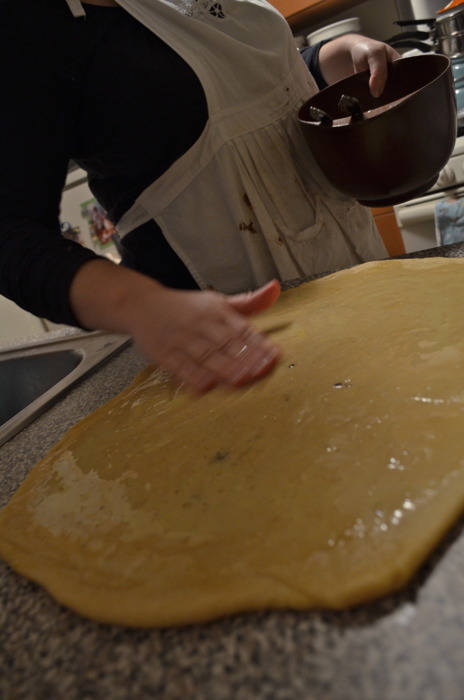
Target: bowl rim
[{"x": 343, "y": 122}]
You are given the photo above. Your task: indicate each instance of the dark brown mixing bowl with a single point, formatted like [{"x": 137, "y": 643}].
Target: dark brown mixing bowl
[{"x": 403, "y": 140}]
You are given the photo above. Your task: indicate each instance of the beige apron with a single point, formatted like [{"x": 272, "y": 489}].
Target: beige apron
[{"x": 247, "y": 202}]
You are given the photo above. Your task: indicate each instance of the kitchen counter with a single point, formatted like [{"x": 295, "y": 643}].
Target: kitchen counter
[{"x": 404, "y": 647}]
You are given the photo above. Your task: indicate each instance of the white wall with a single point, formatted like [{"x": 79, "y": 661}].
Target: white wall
[{"x": 17, "y": 323}]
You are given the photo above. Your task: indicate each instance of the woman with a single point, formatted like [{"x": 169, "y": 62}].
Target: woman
[{"x": 183, "y": 113}]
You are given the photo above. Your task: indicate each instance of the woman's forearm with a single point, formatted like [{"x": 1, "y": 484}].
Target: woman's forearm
[{"x": 106, "y": 296}]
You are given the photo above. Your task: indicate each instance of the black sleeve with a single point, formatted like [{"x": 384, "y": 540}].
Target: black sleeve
[
  {"x": 37, "y": 263},
  {"x": 310, "y": 56}
]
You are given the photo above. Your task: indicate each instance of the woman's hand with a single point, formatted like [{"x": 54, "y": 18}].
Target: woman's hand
[
  {"x": 201, "y": 338},
  {"x": 204, "y": 338},
  {"x": 352, "y": 53}
]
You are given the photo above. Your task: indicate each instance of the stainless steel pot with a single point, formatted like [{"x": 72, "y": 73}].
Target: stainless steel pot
[
  {"x": 443, "y": 33},
  {"x": 418, "y": 9},
  {"x": 450, "y": 32}
]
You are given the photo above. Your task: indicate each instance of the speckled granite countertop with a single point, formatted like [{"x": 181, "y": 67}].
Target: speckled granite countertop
[{"x": 405, "y": 647}]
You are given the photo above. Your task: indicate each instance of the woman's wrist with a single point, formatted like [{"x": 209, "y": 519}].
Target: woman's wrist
[
  {"x": 108, "y": 297},
  {"x": 335, "y": 57}
]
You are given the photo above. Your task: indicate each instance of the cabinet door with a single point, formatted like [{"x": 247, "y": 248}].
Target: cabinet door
[
  {"x": 302, "y": 13},
  {"x": 385, "y": 220}
]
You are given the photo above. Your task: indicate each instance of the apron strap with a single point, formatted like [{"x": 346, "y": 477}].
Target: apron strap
[{"x": 76, "y": 8}]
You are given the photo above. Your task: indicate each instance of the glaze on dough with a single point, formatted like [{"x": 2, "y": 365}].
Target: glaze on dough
[{"x": 325, "y": 484}]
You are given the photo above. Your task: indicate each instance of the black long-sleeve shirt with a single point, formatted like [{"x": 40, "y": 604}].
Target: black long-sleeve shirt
[{"x": 107, "y": 93}]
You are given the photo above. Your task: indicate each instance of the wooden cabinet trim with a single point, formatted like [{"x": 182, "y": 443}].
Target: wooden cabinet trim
[
  {"x": 303, "y": 13},
  {"x": 389, "y": 230}
]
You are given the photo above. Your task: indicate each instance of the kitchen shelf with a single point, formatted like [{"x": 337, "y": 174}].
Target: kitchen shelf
[{"x": 303, "y": 13}]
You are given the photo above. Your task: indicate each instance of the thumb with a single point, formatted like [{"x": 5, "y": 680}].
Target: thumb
[{"x": 253, "y": 302}]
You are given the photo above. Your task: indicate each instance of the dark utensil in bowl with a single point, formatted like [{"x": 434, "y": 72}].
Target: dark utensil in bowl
[
  {"x": 405, "y": 137},
  {"x": 318, "y": 115},
  {"x": 350, "y": 106}
]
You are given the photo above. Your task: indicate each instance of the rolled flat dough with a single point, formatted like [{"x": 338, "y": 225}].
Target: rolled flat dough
[{"x": 325, "y": 484}]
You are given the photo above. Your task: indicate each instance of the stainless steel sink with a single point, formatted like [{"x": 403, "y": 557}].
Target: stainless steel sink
[{"x": 33, "y": 376}]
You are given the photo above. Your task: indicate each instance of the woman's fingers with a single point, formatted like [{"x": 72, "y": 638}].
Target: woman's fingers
[
  {"x": 253, "y": 302},
  {"x": 378, "y": 66},
  {"x": 235, "y": 359},
  {"x": 219, "y": 367},
  {"x": 204, "y": 338},
  {"x": 249, "y": 362},
  {"x": 191, "y": 373},
  {"x": 374, "y": 56}
]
